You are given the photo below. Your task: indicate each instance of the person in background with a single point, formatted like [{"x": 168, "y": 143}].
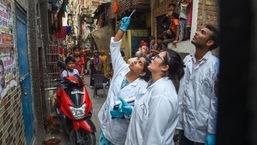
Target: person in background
[
  {"x": 183, "y": 13},
  {"x": 103, "y": 58},
  {"x": 165, "y": 23},
  {"x": 152, "y": 44},
  {"x": 87, "y": 57},
  {"x": 95, "y": 66},
  {"x": 198, "y": 102},
  {"x": 142, "y": 43},
  {"x": 70, "y": 70},
  {"x": 63, "y": 54},
  {"x": 128, "y": 80},
  {"x": 172, "y": 34},
  {"x": 160, "y": 46},
  {"x": 171, "y": 9},
  {"x": 79, "y": 60},
  {"x": 155, "y": 114},
  {"x": 189, "y": 20}
]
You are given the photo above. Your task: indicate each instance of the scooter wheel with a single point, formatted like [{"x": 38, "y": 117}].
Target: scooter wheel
[{"x": 82, "y": 137}]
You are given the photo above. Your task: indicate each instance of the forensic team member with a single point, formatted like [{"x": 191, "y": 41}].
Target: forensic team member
[{"x": 128, "y": 80}]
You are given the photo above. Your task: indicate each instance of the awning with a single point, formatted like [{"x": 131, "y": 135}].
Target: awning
[{"x": 102, "y": 38}]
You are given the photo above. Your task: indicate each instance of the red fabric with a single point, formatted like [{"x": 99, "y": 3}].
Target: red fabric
[
  {"x": 189, "y": 15},
  {"x": 173, "y": 25},
  {"x": 61, "y": 50},
  {"x": 79, "y": 64},
  {"x": 62, "y": 34},
  {"x": 115, "y": 7}
]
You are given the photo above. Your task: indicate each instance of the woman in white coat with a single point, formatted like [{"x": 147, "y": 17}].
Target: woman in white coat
[
  {"x": 128, "y": 80},
  {"x": 155, "y": 114}
]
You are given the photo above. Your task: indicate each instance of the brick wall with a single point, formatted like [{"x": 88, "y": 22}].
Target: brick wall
[
  {"x": 208, "y": 13},
  {"x": 11, "y": 119}
]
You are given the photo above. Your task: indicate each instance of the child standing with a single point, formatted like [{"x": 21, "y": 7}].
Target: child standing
[{"x": 79, "y": 61}]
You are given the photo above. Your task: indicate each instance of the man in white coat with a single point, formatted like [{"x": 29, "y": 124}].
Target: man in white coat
[
  {"x": 198, "y": 103},
  {"x": 129, "y": 80}
]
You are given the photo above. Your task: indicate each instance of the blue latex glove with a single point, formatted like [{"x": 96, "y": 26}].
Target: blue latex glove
[
  {"x": 125, "y": 107},
  {"x": 124, "y": 23},
  {"x": 116, "y": 114},
  {"x": 210, "y": 139}
]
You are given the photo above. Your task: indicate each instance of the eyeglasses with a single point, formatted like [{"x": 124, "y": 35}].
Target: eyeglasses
[{"x": 157, "y": 56}]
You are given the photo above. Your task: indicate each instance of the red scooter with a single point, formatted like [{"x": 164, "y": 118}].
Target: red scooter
[{"x": 74, "y": 109}]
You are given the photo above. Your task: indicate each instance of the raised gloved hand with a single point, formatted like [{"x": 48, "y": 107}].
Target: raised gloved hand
[
  {"x": 116, "y": 114},
  {"x": 124, "y": 23},
  {"x": 210, "y": 139},
  {"x": 125, "y": 107}
]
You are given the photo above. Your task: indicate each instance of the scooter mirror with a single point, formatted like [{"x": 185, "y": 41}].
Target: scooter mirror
[{"x": 61, "y": 64}]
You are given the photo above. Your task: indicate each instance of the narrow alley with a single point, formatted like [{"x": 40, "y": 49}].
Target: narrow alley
[{"x": 36, "y": 34}]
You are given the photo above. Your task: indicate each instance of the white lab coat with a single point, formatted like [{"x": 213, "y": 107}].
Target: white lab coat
[
  {"x": 197, "y": 100},
  {"x": 155, "y": 115},
  {"x": 115, "y": 130}
]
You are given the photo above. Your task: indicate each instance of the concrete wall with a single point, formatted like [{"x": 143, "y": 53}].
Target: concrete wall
[{"x": 36, "y": 47}]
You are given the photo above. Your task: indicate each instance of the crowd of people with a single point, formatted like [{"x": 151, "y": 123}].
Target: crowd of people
[
  {"x": 86, "y": 62},
  {"x": 177, "y": 22},
  {"x": 176, "y": 26}
]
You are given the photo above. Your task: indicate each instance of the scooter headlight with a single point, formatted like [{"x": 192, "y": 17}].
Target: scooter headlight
[{"x": 78, "y": 113}]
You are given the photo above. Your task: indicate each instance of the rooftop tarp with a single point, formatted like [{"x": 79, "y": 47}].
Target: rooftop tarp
[{"x": 102, "y": 38}]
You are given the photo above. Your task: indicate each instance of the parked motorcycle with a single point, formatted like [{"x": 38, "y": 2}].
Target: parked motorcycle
[{"x": 74, "y": 109}]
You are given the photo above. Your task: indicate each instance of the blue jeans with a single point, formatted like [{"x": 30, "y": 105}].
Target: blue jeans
[
  {"x": 102, "y": 140},
  {"x": 184, "y": 141},
  {"x": 182, "y": 27}
]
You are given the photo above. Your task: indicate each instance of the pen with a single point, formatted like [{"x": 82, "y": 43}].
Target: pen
[{"x": 132, "y": 12}]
